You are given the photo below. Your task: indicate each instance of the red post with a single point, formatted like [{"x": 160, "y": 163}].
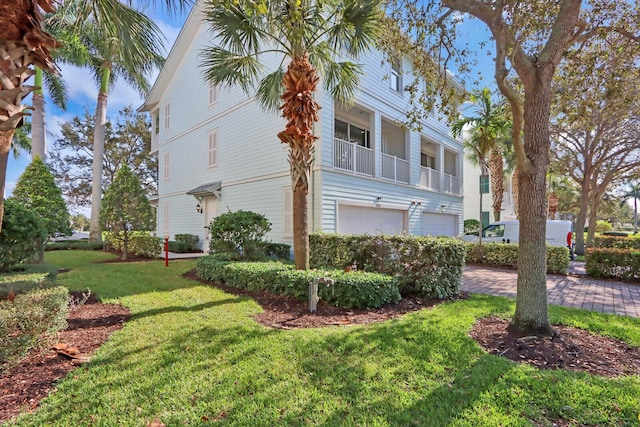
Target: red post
[{"x": 166, "y": 251}]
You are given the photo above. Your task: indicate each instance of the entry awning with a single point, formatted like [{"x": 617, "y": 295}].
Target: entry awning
[{"x": 205, "y": 190}]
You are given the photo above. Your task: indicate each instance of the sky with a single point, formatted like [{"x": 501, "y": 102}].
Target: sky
[{"x": 83, "y": 91}]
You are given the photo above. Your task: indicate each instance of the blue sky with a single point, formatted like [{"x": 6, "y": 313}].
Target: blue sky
[{"x": 83, "y": 90}]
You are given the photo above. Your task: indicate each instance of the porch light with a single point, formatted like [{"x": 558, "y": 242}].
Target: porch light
[{"x": 199, "y": 208}]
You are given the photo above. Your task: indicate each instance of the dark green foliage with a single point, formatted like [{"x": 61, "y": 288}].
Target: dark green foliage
[
  {"x": 616, "y": 242},
  {"x": 25, "y": 322},
  {"x": 350, "y": 290},
  {"x": 426, "y": 266},
  {"x": 38, "y": 192},
  {"x": 241, "y": 233},
  {"x": 471, "y": 226},
  {"x": 138, "y": 243},
  {"x": 506, "y": 255},
  {"x": 82, "y": 245},
  {"x": 621, "y": 264},
  {"x": 22, "y": 235},
  {"x": 277, "y": 250},
  {"x": 184, "y": 243},
  {"x": 125, "y": 209},
  {"x": 603, "y": 226}
]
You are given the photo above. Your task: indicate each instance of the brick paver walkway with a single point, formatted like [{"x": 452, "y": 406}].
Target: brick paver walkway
[{"x": 571, "y": 291}]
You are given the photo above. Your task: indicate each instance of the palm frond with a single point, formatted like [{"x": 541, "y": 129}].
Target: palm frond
[
  {"x": 21, "y": 139},
  {"x": 237, "y": 29},
  {"x": 223, "y": 67},
  {"x": 342, "y": 80},
  {"x": 57, "y": 89},
  {"x": 270, "y": 89}
]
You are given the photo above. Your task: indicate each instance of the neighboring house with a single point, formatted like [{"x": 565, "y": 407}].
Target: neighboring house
[
  {"x": 218, "y": 151},
  {"x": 472, "y": 196}
]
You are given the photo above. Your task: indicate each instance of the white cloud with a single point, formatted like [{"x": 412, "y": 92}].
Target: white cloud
[{"x": 9, "y": 187}]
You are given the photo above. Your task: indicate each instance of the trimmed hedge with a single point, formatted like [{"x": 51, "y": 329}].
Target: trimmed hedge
[
  {"x": 140, "y": 243},
  {"x": 277, "y": 250},
  {"x": 350, "y": 290},
  {"x": 615, "y": 242},
  {"x": 428, "y": 266},
  {"x": 506, "y": 255},
  {"x": 25, "y": 322},
  {"x": 64, "y": 245},
  {"x": 621, "y": 264},
  {"x": 185, "y": 243}
]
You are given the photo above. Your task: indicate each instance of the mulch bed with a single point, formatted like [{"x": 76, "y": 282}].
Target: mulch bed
[{"x": 91, "y": 324}]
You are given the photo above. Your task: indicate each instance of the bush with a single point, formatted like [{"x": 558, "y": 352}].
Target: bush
[
  {"x": 506, "y": 255},
  {"x": 621, "y": 264},
  {"x": 187, "y": 242},
  {"x": 241, "y": 233},
  {"x": 277, "y": 250},
  {"x": 350, "y": 290},
  {"x": 22, "y": 235},
  {"x": 603, "y": 226},
  {"x": 426, "y": 266},
  {"x": 26, "y": 322},
  {"x": 471, "y": 226},
  {"x": 616, "y": 242},
  {"x": 140, "y": 244},
  {"x": 82, "y": 245},
  {"x": 36, "y": 276}
]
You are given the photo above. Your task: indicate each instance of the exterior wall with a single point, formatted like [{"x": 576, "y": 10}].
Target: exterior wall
[{"x": 252, "y": 163}]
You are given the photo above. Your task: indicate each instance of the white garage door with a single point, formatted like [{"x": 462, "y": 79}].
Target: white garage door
[
  {"x": 360, "y": 220},
  {"x": 434, "y": 224}
]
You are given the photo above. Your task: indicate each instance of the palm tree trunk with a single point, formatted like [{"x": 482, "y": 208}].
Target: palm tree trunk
[
  {"x": 38, "y": 141},
  {"x": 496, "y": 170},
  {"x": 98, "y": 155},
  {"x": 301, "y": 112},
  {"x": 6, "y": 136}
]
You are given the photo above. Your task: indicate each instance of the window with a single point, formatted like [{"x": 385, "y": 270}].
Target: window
[
  {"x": 288, "y": 214},
  {"x": 396, "y": 75},
  {"x": 213, "y": 149},
  {"x": 428, "y": 161},
  {"x": 156, "y": 122},
  {"x": 352, "y": 133},
  {"x": 167, "y": 114},
  {"x": 213, "y": 95},
  {"x": 496, "y": 230},
  {"x": 166, "y": 165},
  {"x": 484, "y": 184}
]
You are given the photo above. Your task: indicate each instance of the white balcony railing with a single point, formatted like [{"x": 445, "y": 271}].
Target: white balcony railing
[
  {"x": 429, "y": 178},
  {"x": 451, "y": 184},
  {"x": 395, "y": 169},
  {"x": 352, "y": 157}
]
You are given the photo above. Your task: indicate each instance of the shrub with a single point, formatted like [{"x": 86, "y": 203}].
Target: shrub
[
  {"x": 277, "y": 250},
  {"x": 506, "y": 255},
  {"x": 241, "y": 233},
  {"x": 621, "y": 264},
  {"x": 26, "y": 322},
  {"x": 34, "y": 277},
  {"x": 350, "y": 290},
  {"x": 426, "y": 266},
  {"x": 22, "y": 235},
  {"x": 140, "y": 243},
  {"x": 616, "y": 242},
  {"x": 603, "y": 226},
  {"x": 471, "y": 226},
  {"x": 187, "y": 242},
  {"x": 73, "y": 245}
]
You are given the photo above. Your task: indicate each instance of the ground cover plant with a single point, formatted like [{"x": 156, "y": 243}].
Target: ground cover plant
[{"x": 192, "y": 354}]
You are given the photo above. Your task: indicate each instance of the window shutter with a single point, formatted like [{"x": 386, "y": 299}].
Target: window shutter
[
  {"x": 166, "y": 165},
  {"x": 213, "y": 148}
]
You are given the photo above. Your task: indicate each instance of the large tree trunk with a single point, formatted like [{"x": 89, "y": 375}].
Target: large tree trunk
[
  {"x": 635, "y": 215},
  {"x": 6, "y": 136},
  {"x": 98, "y": 155},
  {"x": 515, "y": 192},
  {"x": 38, "y": 137},
  {"x": 301, "y": 112},
  {"x": 531, "y": 314},
  {"x": 496, "y": 169},
  {"x": 581, "y": 220}
]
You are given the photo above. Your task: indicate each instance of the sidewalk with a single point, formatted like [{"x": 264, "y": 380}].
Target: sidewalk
[
  {"x": 173, "y": 255},
  {"x": 575, "y": 290}
]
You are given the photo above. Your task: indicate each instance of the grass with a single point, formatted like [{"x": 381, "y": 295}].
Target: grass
[{"x": 192, "y": 356}]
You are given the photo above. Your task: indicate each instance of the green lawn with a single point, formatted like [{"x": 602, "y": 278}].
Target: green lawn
[{"x": 192, "y": 356}]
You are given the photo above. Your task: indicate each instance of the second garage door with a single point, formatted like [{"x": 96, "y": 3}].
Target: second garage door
[
  {"x": 361, "y": 220},
  {"x": 434, "y": 224}
]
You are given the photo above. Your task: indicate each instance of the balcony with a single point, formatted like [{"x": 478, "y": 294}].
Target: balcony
[
  {"x": 429, "y": 178},
  {"x": 451, "y": 184},
  {"x": 395, "y": 168},
  {"x": 352, "y": 157}
]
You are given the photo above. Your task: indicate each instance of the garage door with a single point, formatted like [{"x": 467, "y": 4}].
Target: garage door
[
  {"x": 359, "y": 220},
  {"x": 434, "y": 224}
]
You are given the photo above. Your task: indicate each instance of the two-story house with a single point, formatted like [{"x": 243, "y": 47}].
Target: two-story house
[{"x": 218, "y": 151}]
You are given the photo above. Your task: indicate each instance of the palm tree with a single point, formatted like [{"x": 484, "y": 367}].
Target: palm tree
[
  {"x": 23, "y": 43},
  {"x": 58, "y": 91},
  {"x": 633, "y": 193},
  {"x": 488, "y": 130},
  {"x": 310, "y": 36},
  {"x": 131, "y": 52}
]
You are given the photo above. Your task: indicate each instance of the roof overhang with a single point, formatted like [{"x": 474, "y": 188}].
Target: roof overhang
[{"x": 206, "y": 190}]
